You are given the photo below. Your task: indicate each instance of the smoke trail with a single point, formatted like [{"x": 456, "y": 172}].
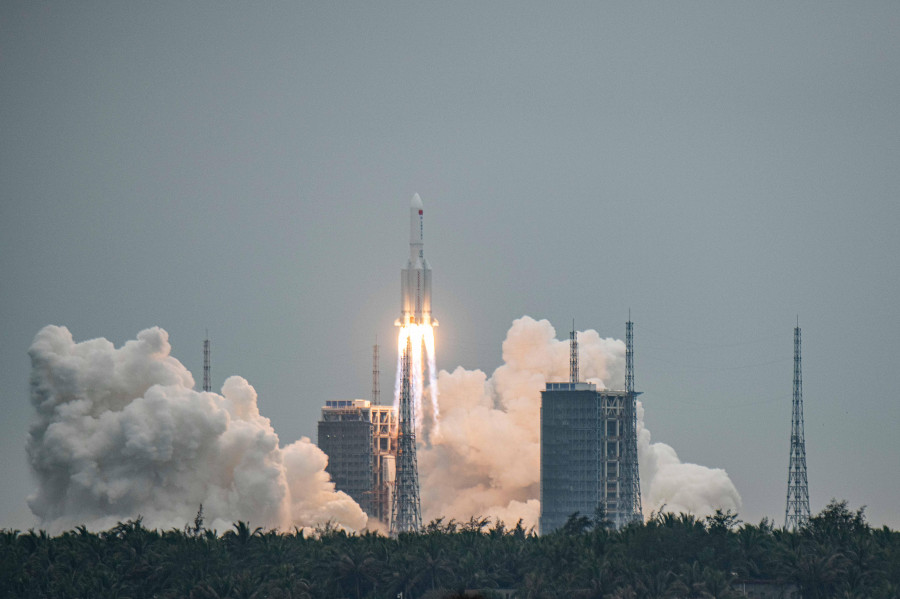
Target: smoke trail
[
  {"x": 432, "y": 381},
  {"x": 486, "y": 461},
  {"x": 121, "y": 432},
  {"x": 416, "y": 374},
  {"x": 398, "y": 380}
]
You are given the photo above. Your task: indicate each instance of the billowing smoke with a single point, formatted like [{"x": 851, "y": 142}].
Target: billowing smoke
[
  {"x": 680, "y": 487},
  {"x": 122, "y": 432},
  {"x": 485, "y": 460}
]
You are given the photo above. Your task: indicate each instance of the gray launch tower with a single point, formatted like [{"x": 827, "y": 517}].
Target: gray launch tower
[
  {"x": 406, "y": 507},
  {"x": 631, "y": 478},
  {"x": 589, "y": 449},
  {"x": 360, "y": 440},
  {"x": 796, "y": 511}
]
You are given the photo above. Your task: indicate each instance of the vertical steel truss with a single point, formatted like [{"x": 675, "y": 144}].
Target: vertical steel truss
[
  {"x": 602, "y": 473},
  {"x": 611, "y": 454},
  {"x": 796, "y": 511},
  {"x": 376, "y": 386},
  {"x": 573, "y": 356},
  {"x": 631, "y": 493},
  {"x": 206, "y": 384},
  {"x": 406, "y": 508}
]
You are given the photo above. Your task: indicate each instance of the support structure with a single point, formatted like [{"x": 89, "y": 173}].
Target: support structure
[
  {"x": 406, "y": 507},
  {"x": 796, "y": 511},
  {"x": 360, "y": 440},
  {"x": 376, "y": 373},
  {"x": 589, "y": 461},
  {"x": 631, "y": 491},
  {"x": 206, "y": 384},
  {"x": 573, "y": 356}
]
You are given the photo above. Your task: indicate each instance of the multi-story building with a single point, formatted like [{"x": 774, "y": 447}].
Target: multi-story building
[
  {"x": 360, "y": 440},
  {"x": 586, "y": 457}
]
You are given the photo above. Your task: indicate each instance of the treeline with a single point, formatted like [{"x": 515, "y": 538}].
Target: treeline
[{"x": 837, "y": 555}]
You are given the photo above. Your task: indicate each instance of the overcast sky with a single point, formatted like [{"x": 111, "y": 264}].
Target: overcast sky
[{"x": 246, "y": 168}]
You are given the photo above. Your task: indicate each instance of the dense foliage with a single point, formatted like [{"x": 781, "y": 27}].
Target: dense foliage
[{"x": 837, "y": 555}]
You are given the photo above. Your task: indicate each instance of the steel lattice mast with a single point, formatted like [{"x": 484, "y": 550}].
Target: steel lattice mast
[
  {"x": 573, "y": 355},
  {"x": 796, "y": 512},
  {"x": 206, "y": 384},
  {"x": 376, "y": 375},
  {"x": 632, "y": 480},
  {"x": 406, "y": 508}
]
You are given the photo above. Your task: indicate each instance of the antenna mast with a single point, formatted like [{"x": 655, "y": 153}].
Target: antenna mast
[
  {"x": 573, "y": 356},
  {"x": 206, "y": 384},
  {"x": 376, "y": 373},
  {"x": 796, "y": 512}
]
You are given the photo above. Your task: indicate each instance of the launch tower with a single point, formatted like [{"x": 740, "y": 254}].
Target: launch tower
[
  {"x": 406, "y": 509},
  {"x": 631, "y": 478},
  {"x": 588, "y": 450},
  {"x": 360, "y": 440},
  {"x": 796, "y": 511},
  {"x": 415, "y": 346}
]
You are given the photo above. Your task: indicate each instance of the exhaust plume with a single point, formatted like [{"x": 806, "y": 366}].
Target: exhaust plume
[
  {"x": 121, "y": 432},
  {"x": 485, "y": 460},
  {"x": 421, "y": 344}
]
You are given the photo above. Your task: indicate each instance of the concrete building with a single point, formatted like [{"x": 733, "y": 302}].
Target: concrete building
[
  {"x": 360, "y": 440},
  {"x": 585, "y": 454}
]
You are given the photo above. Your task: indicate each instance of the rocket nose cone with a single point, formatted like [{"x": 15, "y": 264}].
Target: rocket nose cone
[{"x": 416, "y": 201}]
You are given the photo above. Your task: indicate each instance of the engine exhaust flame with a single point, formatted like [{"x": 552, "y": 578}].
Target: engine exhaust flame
[{"x": 421, "y": 337}]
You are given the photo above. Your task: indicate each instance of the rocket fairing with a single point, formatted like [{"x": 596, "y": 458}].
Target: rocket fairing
[{"x": 415, "y": 279}]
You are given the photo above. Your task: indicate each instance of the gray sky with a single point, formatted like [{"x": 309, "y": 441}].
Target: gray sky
[{"x": 718, "y": 168}]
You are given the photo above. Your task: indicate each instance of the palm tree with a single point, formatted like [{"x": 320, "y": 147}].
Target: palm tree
[
  {"x": 356, "y": 571},
  {"x": 242, "y": 534},
  {"x": 718, "y": 585},
  {"x": 815, "y": 570},
  {"x": 658, "y": 584},
  {"x": 430, "y": 567},
  {"x": 756, "y": 547}
]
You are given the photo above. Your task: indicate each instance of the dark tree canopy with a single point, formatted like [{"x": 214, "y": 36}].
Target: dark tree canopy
[{"x": 837, "y": 555}]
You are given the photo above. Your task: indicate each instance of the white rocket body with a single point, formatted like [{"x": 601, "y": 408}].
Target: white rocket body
[{"x": 415, "y": 279}]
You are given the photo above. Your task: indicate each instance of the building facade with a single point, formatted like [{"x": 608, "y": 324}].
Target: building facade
[
  {"x": 360, "y": 440},
  {"x": 586, "y": 456}
]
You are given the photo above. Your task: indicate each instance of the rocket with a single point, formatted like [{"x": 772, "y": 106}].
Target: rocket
[{"x": 415, "y": 279}]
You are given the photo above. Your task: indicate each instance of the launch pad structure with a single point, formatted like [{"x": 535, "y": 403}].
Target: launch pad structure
[
  {"x": 371, "y": 448},
  {"x": 360, "y": 440},
  {"x": 416, "y": 324},
  {"x": 406, "y": 507},
  {"x": 631, "y": 478},
  {"x": 589, "y": 462}
]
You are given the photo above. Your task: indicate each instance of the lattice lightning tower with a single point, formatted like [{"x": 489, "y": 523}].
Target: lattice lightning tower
[
  {"x": 376, "y": 373},
  {"x": 631, "y": 499},
  {"x": 796, "y": 512},
  {"x": 573, "y": 356},
  {"x": 206, "y": 383},
  {"x": 406, "y": 507}
]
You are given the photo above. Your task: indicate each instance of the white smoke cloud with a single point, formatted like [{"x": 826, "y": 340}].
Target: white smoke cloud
[
  {"x": 485, "y": 460},
  {"x": 121, "y": 433},
  {"x": 673, "y": 486}
]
